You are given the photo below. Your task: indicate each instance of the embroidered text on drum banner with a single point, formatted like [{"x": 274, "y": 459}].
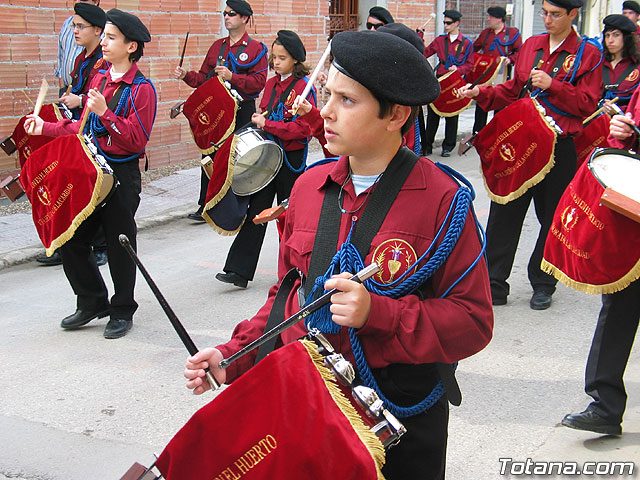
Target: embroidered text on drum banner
[{"x": 250, "y": 459}]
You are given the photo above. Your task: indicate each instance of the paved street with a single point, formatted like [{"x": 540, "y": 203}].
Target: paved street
[{"x": 76, "y": 406}]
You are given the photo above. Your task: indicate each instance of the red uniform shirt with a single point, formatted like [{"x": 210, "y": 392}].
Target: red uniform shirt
[
  {"x": 87, "y": 74},
  {"x": 579, "y": 99},
  {"x": 294, "y": 134},
  {"x": 626, "y": 86},
  {"x": 442, "y": 47},
  {"x": 125, "y": 135},
  {"x": 630, "y": 143},
  {"x": 249, "y": 82},
  {"x": 409, "y": 330},
  {"x": 491, "y": 44}
]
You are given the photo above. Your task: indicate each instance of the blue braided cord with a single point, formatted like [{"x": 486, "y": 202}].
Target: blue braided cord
[
  {"x": 83, "y": 67},
  {"x": 497, "y": 41},
  {"x": 451, "y": 59},
  {"x": 417, "y": 149},
  {"x": 324, "y": 161}
]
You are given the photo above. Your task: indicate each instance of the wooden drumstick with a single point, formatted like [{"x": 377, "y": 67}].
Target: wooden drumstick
[
  {"x": 314, "y": 75},
  {"x": 44, "y": 86},
  {"x": 28, "y": 99},
  {"x": 599, "y": 111},
  {"x": 431, "y": 17},
  {"x": 85, "y": 113}
]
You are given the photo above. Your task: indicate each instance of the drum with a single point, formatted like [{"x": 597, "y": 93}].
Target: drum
[
  {"x": 594, "y": 135},
  {"x": 65, "y": 181},
  {"x": 516, "y": 149},
  {"x": 590, "y": 247},
  {"x": 448, "y": 104},
  {"x": 257, "y": 161},
  {"x": 485, "y": 68},
  {"x": 288, "y": 418}
]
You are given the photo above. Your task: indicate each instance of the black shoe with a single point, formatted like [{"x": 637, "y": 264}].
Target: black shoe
[
  {"x": 82, "y": 317},
  {"x": 197, "y": 215},
  {"x": 117, "y": 327},
  {"x": 592, "y": 422},
  {"x": 445, "y": 153},
  {"x": 55, "y": 259},
  {"x": 498, "y": 300},
  {"x": 101, "y": 257},
  {"x": 427, "y": 151},
  {"x": 230, "y": 277},
  {"x": 540, "y": 300}
]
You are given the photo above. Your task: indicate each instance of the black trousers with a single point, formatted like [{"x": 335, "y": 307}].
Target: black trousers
[
  {"x": 115, "y": 217},
  {"x": 243, "y": 116},
  {"x": 505, "y": 224},
  {"x": 245, "y": 249},
  {"x": 610, "y": 349},
  {"x": 421, "y": 453},
  {"x": 450, "y": 130},
  {"x": 480, "y": 119}
]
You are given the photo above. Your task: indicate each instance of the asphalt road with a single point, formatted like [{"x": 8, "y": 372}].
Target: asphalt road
[{"x": 77, "y": 406}]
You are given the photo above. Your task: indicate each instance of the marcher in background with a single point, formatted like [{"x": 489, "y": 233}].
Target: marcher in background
[
  {"x": 454, "y": 52},
  {"x": 237, "y": 59},
  {"x": 497, "y": 40},
  {"x": 378, "y": 16},
  {"x": 291, "y": 133},
  {"x": 631, "y": 10}
]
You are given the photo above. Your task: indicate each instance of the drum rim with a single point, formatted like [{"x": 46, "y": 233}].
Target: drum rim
[
  {"x": 600, "y": 151},
  {"x": 246, "y": 193}
]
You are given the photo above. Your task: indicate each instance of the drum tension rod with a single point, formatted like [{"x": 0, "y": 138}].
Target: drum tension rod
[{"x": 320, "y": 302}]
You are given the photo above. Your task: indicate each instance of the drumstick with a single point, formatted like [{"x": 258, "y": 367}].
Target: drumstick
[
  {"x": 598, "y": 112},
  {"x": 86, "y": 112},
  {"x": 528, "y": 85},
  {"x": 314, "y": 75},
  {"x": 173, "y": 318},
  {"x": 30, "y": 101},
  {"x": 618, "y": 111},
  {"x": 431, "y": 17},
  {"x": 44, "y": 86},
  {"x": 264, "y": 114},
  {"x": 320, "y": 302},
  {"x": 184, "y": 49}
]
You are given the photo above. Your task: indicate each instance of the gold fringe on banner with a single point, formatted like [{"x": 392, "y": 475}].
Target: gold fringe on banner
[
  {"x": 620, "y": 284},
  {"x": 367, "y": 437}
]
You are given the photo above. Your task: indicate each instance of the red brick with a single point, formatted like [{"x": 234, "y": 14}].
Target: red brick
[
  {"x": 24, "y": 48},
  {"x": 59, "y": 17},
  {"x": 189, "y": 6},
  {"x": 214, "y": 6},
  {"x": 25, "y": 3},
  {"x": 48, "y": 45},
  {"x": 22, "y": 105},
  {"x": 148, "y": 5},
  {"x": 40, "y": 21},
  {"x": 152, "y": 49},
  {"x": 126, "y": 5},
  {"x": 183, "y": 152},
  {"x": 170, "y": 91},
  {"x": 5, "y": 43},
  {"x": 37, "y": 71},
  {"x": 8, "y": 124},
  {"x": 51, "y": 4},
  {"x": 169, "y": 5},
  {"x": 160, "y": 69},
  {"x": 12, "y": 20},
  {"x": 13, "y": 75},
  {"x": 158, "y": 157},
  {"x": 160, "y": 23},
  {"x": 179, "y": 23}
]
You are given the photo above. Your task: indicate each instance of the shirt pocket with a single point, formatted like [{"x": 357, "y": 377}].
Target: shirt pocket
[{"x": 300, "y": 245}]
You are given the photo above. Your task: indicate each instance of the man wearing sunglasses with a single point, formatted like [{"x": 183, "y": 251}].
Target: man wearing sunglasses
[
  {"x": 455, "y": 52},
  {"x": 568, "y": 84},
  {"x": 378, "y": 16},
  {"x": 237, "y": 59}
]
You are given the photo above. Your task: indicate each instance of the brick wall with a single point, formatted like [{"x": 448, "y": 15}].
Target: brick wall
[
  {"x": 414, "y": 13},
  {"x": 28, "y": 52}
]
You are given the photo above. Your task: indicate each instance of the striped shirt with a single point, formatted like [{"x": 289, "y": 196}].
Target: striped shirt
[{"x": 68, "y": 50}]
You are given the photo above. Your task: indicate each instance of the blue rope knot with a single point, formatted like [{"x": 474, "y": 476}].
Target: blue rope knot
[{"x": 349, "y": 259}]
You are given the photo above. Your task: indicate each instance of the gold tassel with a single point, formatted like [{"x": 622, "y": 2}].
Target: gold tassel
[
  {"x": 630, "y": 277},
  {"x": 368, "y": 438}
]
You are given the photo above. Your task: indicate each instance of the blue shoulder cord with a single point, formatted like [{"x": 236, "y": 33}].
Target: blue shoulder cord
[
  {"x": 451, "y": 59},
  {"x": 277, "y": 115},
  {"x": 417, "y": 144},
  {"x": 497, "y": 43},
  {"x": 83, "y": 67},
  {"x": 542, "y": 96},
  {"x": 234, "y": 64},
  {"x": 94, "y": 126},
  {"x": 348, "y": 259}
]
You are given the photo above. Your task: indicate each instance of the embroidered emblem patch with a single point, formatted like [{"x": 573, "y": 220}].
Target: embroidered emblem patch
[
  {"x": 633, "y": 76},
  {"x": 569, "y": 218},
  {"x": 243, "y": 57},
  {"x": 568, "y": 63},
  {"x": 395, "y": 257}
]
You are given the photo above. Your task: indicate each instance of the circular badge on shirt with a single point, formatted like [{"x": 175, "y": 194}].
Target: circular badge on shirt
[
  {"x": 395, "y": 257},
  {"x": 243, "y": 57}
]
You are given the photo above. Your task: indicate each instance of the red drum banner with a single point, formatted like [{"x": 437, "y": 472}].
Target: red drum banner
[
  {"x": 27, "y": 144},
  {"x": 448, "y": 104},
  {"x": 286, "y": 418},
  {"x": 485, "y": 68},
  {"x": 63, "y": 183},
  {"x": 516, "y": 149},
  {"x": 211, "y": 111},
  {"x": 590, "y": 247},
  {"x": 594, "y": 135}
]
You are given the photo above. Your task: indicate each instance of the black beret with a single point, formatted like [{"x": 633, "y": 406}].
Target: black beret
[
  {"x": 407, "y": 77},
  {"x": 620, "y": 22},
  {"x": 631, "y": 5},
  {"x": 130, "y": 25},
  {"x": 497, "y": 12},
  {"x": 453, "y": 15},
  {"x": 241, "y": 7},
  {"x": 404, "y": 32},
  {"x": 381, "y": 14},
  {"x": 567, "y": 4},
  {"x": 91, "y": 13},
  {"x": 292, "y": 43}
]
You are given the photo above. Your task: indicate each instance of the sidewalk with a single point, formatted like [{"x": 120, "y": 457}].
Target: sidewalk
[{"x": 161, "y": 201}]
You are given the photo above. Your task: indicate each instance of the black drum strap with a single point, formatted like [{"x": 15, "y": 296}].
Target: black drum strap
[
  {"x": 283, "y": 96},
  {"x": 113, "y": 103},
  {"x": 606, "y": 77}
]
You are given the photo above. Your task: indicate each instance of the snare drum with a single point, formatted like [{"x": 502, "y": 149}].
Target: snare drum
[
  {"x": 65, "y": 181},
  {"x": 257, "y": 161},
  {"x": 288, "y": 417},
  {"x": 591, "y": 247},
  {"x": 448, "y": 103}
]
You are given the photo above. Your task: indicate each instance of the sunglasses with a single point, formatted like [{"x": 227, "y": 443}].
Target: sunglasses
[
  {"x": 375, "y": 26},
  {"x": 230, "y": 13},
  {"x": 448, "y": 22}
]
